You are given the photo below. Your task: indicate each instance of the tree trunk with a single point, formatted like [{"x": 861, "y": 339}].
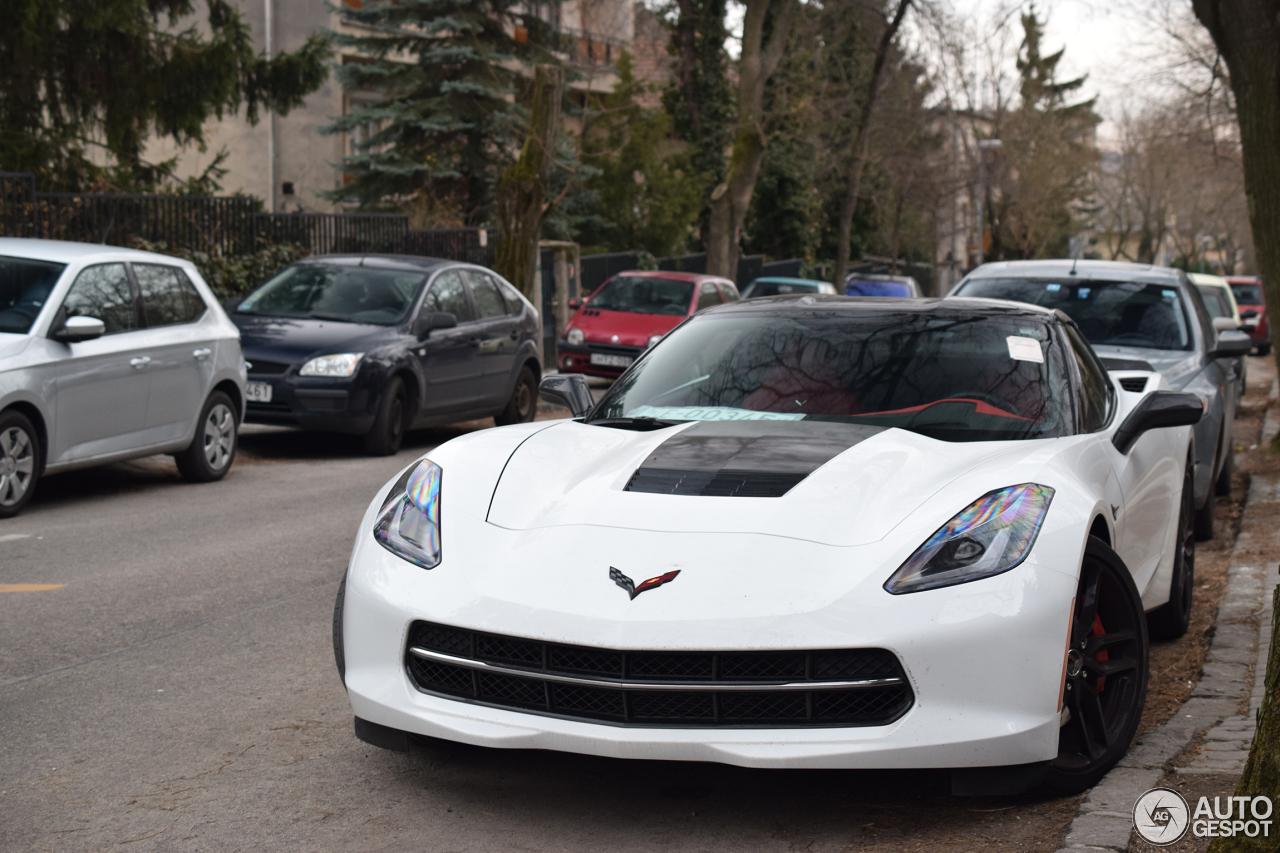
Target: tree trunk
[
  {"x": 861, "y": 146},
  {"x": 521, "y": 191},
  {"x": 730, "y": 200}
]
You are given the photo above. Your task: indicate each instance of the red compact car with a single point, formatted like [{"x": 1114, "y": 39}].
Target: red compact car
[
  {"x": 630, "y": 312},
  {"x": 1253, "y": 309}
]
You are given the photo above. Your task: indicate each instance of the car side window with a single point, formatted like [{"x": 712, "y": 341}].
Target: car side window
[
  {"x": 708, "y": 295},
  {"x": 486, "y": 296},
  {"x": 1094, "y": 384},
  {"x": 103, "y": 292},
  {"x": 514, "y": 303},
  {"x": 168, "y": 296},
  {"x": 729, "y": 292},
  {"x": 448, "y": 294}
]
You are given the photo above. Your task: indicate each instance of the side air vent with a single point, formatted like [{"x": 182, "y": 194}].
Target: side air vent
[
  {"x": 1134, "y": 383},
  {"x": 728, "y": 484}
]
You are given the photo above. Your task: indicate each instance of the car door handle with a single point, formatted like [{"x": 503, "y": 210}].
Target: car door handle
[
  {"x": 140, "y": 362},
  {"x": 202, "y": 353}
]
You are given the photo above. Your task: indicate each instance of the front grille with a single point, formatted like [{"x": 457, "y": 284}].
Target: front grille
[
  {"x": 615, "y": 349},
  {"x": 727, "y": 484},
  {"x": 850, "y": 687},
  {"x": 1134, "y": 383},
  {"x": 261, "y": 367}
]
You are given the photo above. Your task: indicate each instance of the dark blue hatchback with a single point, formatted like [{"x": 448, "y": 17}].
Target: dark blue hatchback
[{"x": 374, "y": 345}]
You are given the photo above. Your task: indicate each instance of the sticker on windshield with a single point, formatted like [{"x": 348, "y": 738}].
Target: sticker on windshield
[
  {"x": 1024, "y": 349},
  {"x": 709, "y": 413}
]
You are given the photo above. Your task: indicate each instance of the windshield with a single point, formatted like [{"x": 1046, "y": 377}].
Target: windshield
[
  {"x": 25, "y": 286},
  {"x": 1109, "y": 313},
  {"x": 1247, "y": 294},
  {"x": 349, "y": 294},
  {"x": 777, "y": 288},
  {"x": 856, "y": 287},
  {"x": 642, "y": 295},
  {"x": 956, "y": 377},
  {"x": 1215, "y": 301}
]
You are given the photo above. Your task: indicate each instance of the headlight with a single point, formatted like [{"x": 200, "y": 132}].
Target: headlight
[
  {"x": 575, "y": 337},
  {"x": 409, "y": 524},
  {"x": 991, "y": 535},
  {"x": 654, "y": 339},
  {"x": 342, "y": 364}
]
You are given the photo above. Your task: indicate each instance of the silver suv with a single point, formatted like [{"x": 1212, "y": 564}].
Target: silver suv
[{"x": 109, "y": 354}]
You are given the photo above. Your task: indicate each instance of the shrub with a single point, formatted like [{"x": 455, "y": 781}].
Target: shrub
[{"x": 233, "y": 275}]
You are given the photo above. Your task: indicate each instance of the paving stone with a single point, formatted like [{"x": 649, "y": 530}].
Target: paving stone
[
  {"x": 1109, "y": 833},
  {"x": 1231, "y": 654},
  {"x": 1120, "y": 789}
]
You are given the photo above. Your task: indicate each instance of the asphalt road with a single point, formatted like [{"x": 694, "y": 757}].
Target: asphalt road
[{"x": 177, "y": 692}]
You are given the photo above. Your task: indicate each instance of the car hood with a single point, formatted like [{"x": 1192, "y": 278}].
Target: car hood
[
  {"x": 1178, "y": 367},
  {"x": 630, "y": 329},
  {"x": 290, "y": 340},
  {"x": 855, "y": 483}
]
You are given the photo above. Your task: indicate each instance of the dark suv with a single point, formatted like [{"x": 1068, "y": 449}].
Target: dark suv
[{"x": 373, "y": 345}]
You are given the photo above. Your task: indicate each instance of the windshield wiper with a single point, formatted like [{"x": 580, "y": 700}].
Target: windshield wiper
[
  {"x": 638, "y": 424},
  {"x": 320, "y": 315}
]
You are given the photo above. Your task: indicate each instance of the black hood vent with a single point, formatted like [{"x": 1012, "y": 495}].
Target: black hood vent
[{"x": 744, "y": 459}]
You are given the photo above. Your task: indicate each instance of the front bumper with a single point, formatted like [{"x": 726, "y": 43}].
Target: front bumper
[
  {"x": 577, "y": 359},
  {"x": 322, "y": 404},
  {"x": 984, "y": 660}
]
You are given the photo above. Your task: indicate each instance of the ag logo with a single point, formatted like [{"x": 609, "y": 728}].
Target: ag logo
[
  {"x": 1161, "y": 816},
  {"x": 630, "y": 586}
]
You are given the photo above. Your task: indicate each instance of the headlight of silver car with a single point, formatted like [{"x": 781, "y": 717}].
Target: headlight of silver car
[
  {"x": 989, "y": 536},
  {"x": 409, "y": 524},
  {"x": 341, "y": 364}
]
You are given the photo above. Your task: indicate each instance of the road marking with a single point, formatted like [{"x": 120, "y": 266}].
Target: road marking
[
  {"x": 30, "y": 587},
  {"x": 14, "y": 537}
]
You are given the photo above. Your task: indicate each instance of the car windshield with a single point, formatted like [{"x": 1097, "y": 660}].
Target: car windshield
[
  {"x": 953, "y": 376},
  {"x": 1247, "y": 294},
  {"x": 25, "y": 286},
  {"x": 380, "y": 297},
  {"x": 1215, "y": 301},
  {"x": 643, "y": 295},
  {"x": 1109, "y": 313},
  {"x": 779, "y": 288},
  {"x": 855, "y": 287}
]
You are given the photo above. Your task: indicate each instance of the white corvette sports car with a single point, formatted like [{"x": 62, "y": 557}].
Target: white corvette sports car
[{"x": 798, "y": 532}]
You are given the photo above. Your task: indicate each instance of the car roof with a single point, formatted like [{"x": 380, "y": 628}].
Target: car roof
[
  {"x": 66, "y": 251},
  {"x": 1067, "y": 268},
  {"x": 869, "y": 306},
  {"x": 671, "y": 274},
  {"x": 782, "y": 279},
  {"x": 382, "y": 261},
  {"x": 1208, "y": 280}
]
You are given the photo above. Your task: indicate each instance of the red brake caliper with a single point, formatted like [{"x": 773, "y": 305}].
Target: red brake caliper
[{"x": 1102, "y": 653}]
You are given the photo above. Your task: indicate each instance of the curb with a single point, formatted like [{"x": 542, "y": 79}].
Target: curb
[{"x": 1238, "y": 649}]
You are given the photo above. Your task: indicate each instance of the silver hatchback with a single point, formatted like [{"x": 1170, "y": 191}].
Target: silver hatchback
[{"x": 109, "y": 354}]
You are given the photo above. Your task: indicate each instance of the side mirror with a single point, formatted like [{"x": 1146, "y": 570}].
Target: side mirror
[
  {"x": 77, "y": 329},
  {"x": 1225, "y": 324},
  {"x": 436, "y": 320},
  {"x": 569, "y": 390},
  {"x": 575, "y": 304},
  {"x": 1249, "y": 315},
  {"x": 1231, "y": 344},
  {"x": 1158, "y": 409}
]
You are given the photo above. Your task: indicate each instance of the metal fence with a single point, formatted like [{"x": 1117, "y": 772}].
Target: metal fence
[{"x": 473, "y": 245}]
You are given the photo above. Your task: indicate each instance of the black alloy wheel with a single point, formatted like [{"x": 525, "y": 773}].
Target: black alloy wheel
[
  {"x": 523, "y": 404},
  {"x": 213, "y": 449},
  {"x": 1170, "y": 620},
  {"x": 389, "y": 422},
  {"x": 19, "y": 462},
  {"x": 1106, "y": 673}
]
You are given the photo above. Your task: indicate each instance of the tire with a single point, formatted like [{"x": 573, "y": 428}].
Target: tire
[
  {"x": 339, "y": 652},
  {"x": 1222, "y": 486},
  {"x": 389, "y": 422},
  {"x": 20, "y": 463},
  {"x": 1102, "y": 697},
  {"x": 213, "y": 449},
  {"x": 1170, "y": 620},
  {"x": 1204, "y": 519},
  {"x": 523, "y": 404},
  {"x": 1264, "y": 349}
]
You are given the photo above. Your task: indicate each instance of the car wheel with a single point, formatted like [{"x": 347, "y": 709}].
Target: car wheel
[
  {"x": 388, "y": 425},
  {"x": 1204, "y": 519},
  {"x": 523, "y": 404},
  {"x": 19, "y": 462},
  {"x": 1170, "y": 620},
  {"x": 1264, "y": 349},
  {"x": 339, "y": 653},
  {"x": 1222, "y": 486},
  {"x": 211, "y": 452},
  {"x": 1105, "y": 684}
]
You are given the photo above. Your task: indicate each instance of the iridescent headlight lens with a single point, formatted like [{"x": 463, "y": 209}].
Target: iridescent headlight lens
[
  {"x": 409, "y": 524},
  {"x": 991, "y": 535}
]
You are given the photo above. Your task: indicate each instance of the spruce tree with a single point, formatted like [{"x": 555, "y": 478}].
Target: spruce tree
[{"x": 84, "y": 83}]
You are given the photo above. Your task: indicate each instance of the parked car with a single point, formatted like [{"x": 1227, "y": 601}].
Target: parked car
[
  {"x": 875, "y": 284},
  {"x": 1146, "y": 317},
  {"x": 785, "y": 538},
  {"x": 1220, "y": 302},
  {"x": 1252, "y": 305},
  {"x": 110, "y": 354},
  {"x": 632, "y": 311},
  {"x": 373, "y": 345},
  {"x": 781, "y": 286}
]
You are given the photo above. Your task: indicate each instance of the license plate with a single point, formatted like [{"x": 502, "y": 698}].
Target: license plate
[
  {"x": 604, "y": 360},
  {"x": 257, "y": 392}
]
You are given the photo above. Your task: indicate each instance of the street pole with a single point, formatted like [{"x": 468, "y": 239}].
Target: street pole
[{"x": 983, "y": 146}]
